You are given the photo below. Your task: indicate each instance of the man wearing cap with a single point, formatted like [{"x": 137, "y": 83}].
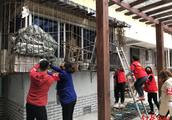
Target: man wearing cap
[{"x": 38, "y": 93}]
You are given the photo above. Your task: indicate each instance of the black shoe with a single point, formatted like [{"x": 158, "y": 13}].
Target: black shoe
[{"x": 151, "y": 112}]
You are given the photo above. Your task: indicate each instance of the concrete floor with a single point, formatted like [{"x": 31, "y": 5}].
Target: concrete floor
[{"x": 93, "y": 116}]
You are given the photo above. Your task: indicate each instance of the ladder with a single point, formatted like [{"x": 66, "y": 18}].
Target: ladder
[{"x": 128, "y": 73}]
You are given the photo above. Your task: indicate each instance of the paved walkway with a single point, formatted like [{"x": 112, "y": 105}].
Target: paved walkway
[
  {"x": 93, "y": 116},
  {"x": 131, "y": 106}
]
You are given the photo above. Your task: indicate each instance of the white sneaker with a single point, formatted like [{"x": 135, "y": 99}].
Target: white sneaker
[
  {"x": 116, "y": 105},
  {"x": 122, "y": 105}
]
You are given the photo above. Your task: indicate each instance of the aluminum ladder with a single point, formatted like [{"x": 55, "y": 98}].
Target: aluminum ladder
[{"x": 129, "y": 75}]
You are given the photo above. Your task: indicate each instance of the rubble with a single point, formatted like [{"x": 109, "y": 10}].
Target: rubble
[{"x": 127, "y": 113}]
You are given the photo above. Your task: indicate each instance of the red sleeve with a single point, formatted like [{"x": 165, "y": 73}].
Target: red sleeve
[
  {"x": 41, "y": 77},
  {"x": 51, "y": 78},
  {"x": 55, "y": 77},
  {"x": 132, "y": 67}
]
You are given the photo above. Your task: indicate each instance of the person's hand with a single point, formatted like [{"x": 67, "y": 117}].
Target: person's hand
[
  {"x": 62, "y": 66},
  {"x": 56, "y": 74}
]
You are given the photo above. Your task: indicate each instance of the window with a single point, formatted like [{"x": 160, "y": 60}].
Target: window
[
  {"x": 88, "y": 42},
  {"x": 68, "y": 35},
  {"x": 147, "y": 55},
  {"x": 170, "y": 58}
]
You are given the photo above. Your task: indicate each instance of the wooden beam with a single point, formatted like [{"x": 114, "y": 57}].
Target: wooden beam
[
  {"x": 110, "y": 3},
  {"x": 150, "y": 6},
  {"x": 167, "y": 22},
  {"x": 142, "y": 20},
  {"x": 159, "y": 10},
  {"x": 148, "y": 23},
  {"x": 142, "y": 15},
  {"x": 170, "y": 25},
  {"x": 165, "y": 19},
  {"x": 120, "y": 9},
  {"x": 154, "y": 11},
  {"x": 159, "y": 16},
  {"x": 162, "y": 14},
  {"x": 160, "y": 51},
  {"x": 102, "y": 52},
  {"x": 135, "y": 11},
  {"x": 132, "y": 4},
  {"x": 167, "y": 29}
]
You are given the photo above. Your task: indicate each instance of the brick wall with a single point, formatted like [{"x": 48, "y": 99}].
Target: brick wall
[
  {"x": 85, "y": 104},
  {"x": 82, "y": 106},
  {"x": 14, "y": 111},
  {"x": 1, "y": 108}
]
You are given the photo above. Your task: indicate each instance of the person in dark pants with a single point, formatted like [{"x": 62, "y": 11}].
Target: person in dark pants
[
  {"x": 119, "y": 81},
  {"x": 38, "y": 92},
  {"x": 140, "y": 75},
  {"x": 152, "y": 89},
  {"x": 65, "y": 90}
]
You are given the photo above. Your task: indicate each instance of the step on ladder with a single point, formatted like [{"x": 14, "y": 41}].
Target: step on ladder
[{"x": 128, "y": 73}]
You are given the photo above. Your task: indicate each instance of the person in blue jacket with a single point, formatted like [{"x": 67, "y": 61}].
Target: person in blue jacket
[{"x": 65, "y": 90}]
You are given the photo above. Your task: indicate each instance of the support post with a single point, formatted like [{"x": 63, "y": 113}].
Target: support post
[
  {"x": 102, "y": 52},
  {"x": 160, "y": 51}
]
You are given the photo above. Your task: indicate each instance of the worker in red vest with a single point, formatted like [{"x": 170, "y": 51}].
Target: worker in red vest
[
  {"x": 37, "y": 97},
  {"x": 140, "y": 75},
  {"x": 119, "y": 84},
  {"x": 152, "y": 89}
]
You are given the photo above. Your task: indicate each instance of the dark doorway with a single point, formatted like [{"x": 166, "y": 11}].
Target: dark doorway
[{"x": 134, "y": 51}]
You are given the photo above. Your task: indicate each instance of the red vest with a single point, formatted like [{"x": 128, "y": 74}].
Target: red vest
[
  {"x": 121, "y": 76},
  {"x": 150, "y": 85},
  {"x": 138, "y": 70}
]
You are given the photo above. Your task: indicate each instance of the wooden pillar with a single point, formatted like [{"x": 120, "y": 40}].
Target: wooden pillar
[
  {"x": 102, "y": 52},
  {"x": 160, "y": 50}
]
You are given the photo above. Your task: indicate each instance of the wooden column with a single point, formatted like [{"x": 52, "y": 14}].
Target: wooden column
[
  {"x": 102, "y": 52},
  {"x": 160, "y": 50}
]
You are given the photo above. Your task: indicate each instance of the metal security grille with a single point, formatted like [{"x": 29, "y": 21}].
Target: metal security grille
[{"x": 57, "y": 30}]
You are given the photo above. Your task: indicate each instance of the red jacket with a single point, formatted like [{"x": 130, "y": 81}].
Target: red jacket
[
  {"x": 40, "y": 84},
  {"x": 120, "y": 76},
  {"x": 150, "y": 85},
  {"x": 138, "y": 70}
]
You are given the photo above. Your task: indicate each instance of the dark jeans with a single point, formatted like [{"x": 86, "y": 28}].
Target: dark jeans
[
  {"x": 67, "y": 110},
  {"x": 38, "y": 112},
  {"x": 153, "y": 96},
  {"x": 138, "y": 85},
  {"x": 120, "y": 91}
]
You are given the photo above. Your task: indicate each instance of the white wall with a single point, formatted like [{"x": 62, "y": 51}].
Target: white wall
[
  {"x": 139, "y": 30},
  {"x": 16, "y": 87},
  {"x": 83, "y": 84}
]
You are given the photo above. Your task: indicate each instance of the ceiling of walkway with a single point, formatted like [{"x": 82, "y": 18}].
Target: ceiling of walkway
[{"x": 149, "y": 11}]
